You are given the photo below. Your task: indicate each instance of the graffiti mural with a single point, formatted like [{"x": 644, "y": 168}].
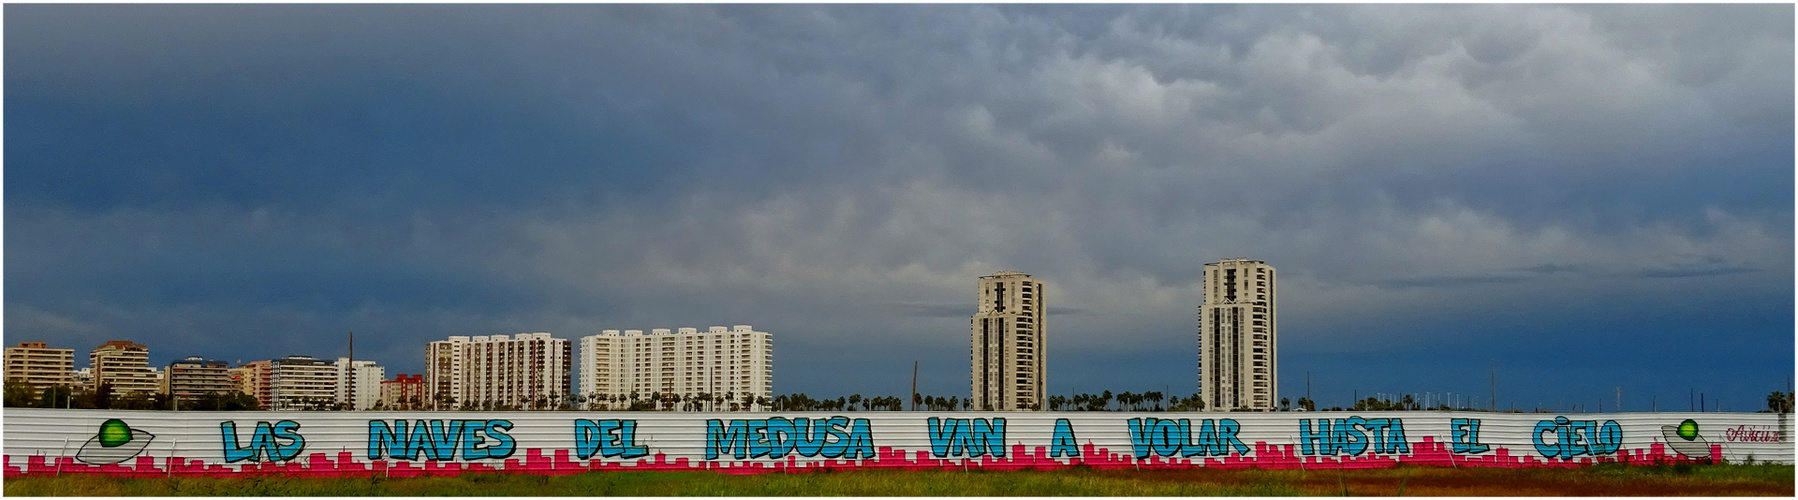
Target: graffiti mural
[
  {"x": 116, "y": 442},
  {"x": 1684, "y": 439},
  {"x": 402, "y": 444}
]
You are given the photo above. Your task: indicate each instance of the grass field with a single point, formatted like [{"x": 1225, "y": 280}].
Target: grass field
[{"x": 1712, "y": 480}]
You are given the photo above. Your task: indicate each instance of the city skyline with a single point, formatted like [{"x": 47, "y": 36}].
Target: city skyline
[{"x": 1583, "y": 196}]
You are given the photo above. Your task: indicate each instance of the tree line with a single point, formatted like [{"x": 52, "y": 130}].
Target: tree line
[{"x": 23, "y": 395}]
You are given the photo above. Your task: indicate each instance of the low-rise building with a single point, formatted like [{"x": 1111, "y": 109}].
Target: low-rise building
[{"x": 404, "y": 392}]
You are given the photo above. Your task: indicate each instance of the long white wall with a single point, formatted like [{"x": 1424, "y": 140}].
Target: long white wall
[{"x": 397, "y": 443}]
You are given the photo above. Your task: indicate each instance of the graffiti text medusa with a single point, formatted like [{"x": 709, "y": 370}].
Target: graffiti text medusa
[
  {"x": 1352, "y": 436},
  {"x": 439, "y": 439},
  {"x": 1169, "y": 438},
  {"x": 1572, "y": 438},
  {"x": 835, "y": 437}
]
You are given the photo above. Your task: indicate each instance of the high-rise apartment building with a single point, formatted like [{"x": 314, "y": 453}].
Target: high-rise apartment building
[
  {"x": 125, "y": 365},
  {"x": 40, "y": 365},
  {"x": 528, "y": 370},
  {"x": 404, "y": 392},
  {"x": 359, "y": 383},
  {"x": 302, "y": 383},
  {"x": 189, "y": 379},
  {"x": 1238, "y": 340},
  {"x": 1008, "y": 370},
  {"x": 729, "y": 364}
]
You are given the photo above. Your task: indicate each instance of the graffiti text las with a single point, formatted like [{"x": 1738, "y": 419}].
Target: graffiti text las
[{"x": 271, "y": 442}]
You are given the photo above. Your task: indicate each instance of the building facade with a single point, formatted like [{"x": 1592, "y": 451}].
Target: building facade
[
  {"x": 359, "y": 383},
  {"x": 725, "y": 366},
  {"x": 253, "y": 379},
  {"x": 40, "y": 365},
  {"x": 1238, "y": 337},
  {"x": 524, "y": 371},
  {"x": 302, "y": 383},
  {"x": 125, "y": 366},
  {"x": 404, "y": 392},
  {"x": 1007, "y": 371},
  {"x": 191, "y": 378}
]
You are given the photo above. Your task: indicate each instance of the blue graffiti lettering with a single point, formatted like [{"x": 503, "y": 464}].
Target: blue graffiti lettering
[
  {"x": 1063, "y": 444},
  {"x": 1466, "y": 436},
  {"x": 1573, "y": 438},
  {"x": 278, "y": 441},
  {"x": 1167, "y": 438},
  {"x": 974, "y": 437},
  {"x": 439, "y": 439},
  {"x": 1352, "y": 436},
  {"x": 777, "y": 437},
  {"x": 607, "y": 438}
]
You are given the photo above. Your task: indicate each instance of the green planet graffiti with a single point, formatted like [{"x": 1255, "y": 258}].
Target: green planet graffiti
[
  {"x": 114, "y": 443},
  {"x": 1684, "y": 438}
]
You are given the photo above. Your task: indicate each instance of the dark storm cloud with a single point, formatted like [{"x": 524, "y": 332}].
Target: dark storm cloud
[
  {"x": 1688, "y": 272},
  {"x": 1439, "y": 281},
  {"x": 840, "y": 175}
]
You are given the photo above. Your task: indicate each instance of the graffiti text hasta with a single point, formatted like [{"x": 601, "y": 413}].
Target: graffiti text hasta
[{"x": 1352, "y": 436}]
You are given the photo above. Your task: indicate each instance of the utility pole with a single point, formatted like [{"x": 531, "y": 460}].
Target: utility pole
[
  {"x": 914, "y": 385},
  {"x": 351, "y": 366},
  {"x": 1308, "y": 385},
  {"x": 1619, "y": 398},
  {"x": 1494, "y": 404}
]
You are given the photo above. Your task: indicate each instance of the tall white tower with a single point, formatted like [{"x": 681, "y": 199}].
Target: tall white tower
[
  {"x": 1238, "y": 340},
  {"x": 1008, "y": 371}
]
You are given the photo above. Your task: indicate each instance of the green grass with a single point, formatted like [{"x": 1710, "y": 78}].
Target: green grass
[{"x": 1604, "y": 480}]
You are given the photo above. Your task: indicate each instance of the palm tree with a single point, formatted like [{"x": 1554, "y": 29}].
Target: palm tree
[
  {"x": 1105, "y": 400},
  {"x": 854, "y": 399}
]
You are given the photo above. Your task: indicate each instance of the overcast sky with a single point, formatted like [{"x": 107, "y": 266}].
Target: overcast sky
[{"x": 1587, "y": 197}]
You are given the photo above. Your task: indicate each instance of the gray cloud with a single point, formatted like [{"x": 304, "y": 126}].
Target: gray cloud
[
  {"x": 1691, "y": 272},
  {"x": 423, "y": 171}
]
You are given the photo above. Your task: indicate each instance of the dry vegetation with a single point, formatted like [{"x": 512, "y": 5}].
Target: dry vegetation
[{"x": 1715, "y": 480}]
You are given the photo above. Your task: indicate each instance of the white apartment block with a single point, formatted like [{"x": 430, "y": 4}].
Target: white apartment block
[
  {"x": 125, "y": 366},
  {"x": 525, "y": 371},
  {"x": 1238, "y": 340},
  {"x": 358, "y": 383},
  {"x": 302, "y": 383},
  {"x": 1007, "y": 369},
  {"x": 40, "y": 365},
  {"x": 731, "y": 363}
]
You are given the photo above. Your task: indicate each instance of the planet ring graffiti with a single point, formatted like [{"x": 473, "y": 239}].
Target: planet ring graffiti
[
  {"x": 116, "y": 442},
  {"x": 1684, "y": 438}
]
